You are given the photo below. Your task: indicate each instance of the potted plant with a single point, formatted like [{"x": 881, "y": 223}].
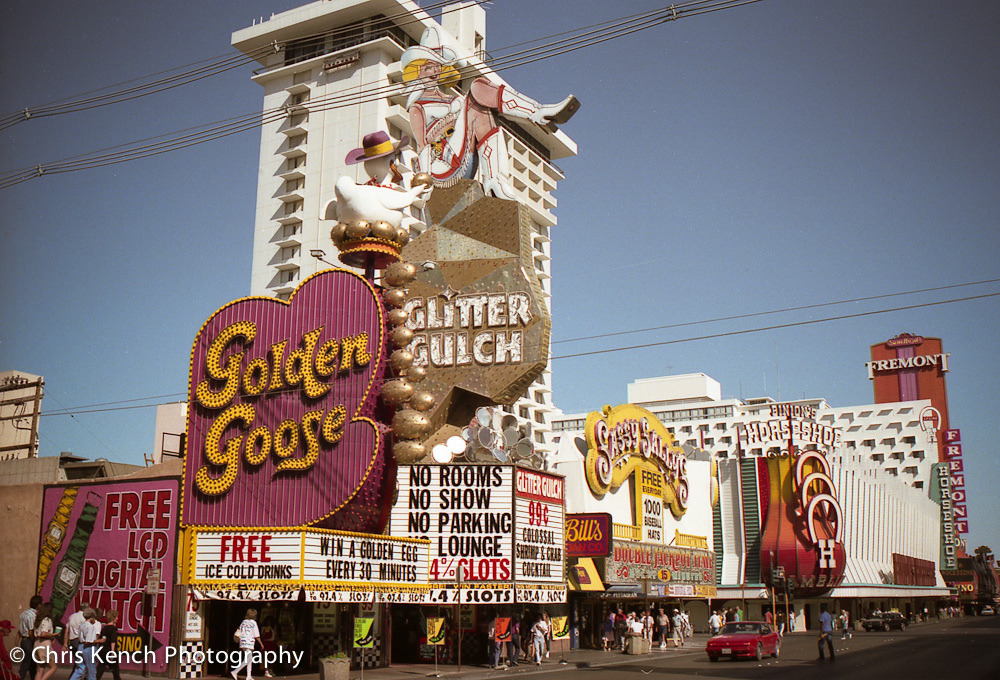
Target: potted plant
[{"x": 335, "y": 667}]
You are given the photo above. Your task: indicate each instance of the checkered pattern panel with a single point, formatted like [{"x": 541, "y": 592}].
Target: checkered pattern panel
[
  {"x": 187, "y": 667},
  {"x": 325, "y": 644},
  {"x": 372, "y": 657}
]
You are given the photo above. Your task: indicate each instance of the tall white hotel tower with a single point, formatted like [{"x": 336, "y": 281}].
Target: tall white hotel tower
[{"x": 326, "y": 68}]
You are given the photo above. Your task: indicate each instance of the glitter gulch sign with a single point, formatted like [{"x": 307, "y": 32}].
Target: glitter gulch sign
[
  {"x": 803, "y": 524},
  {"x": 281, "y": 427}
]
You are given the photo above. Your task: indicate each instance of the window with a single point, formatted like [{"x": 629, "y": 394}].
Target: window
[
  {"x": 524, "y": 412},
  {"x": 293, "y": 207},
  {"x": 539, "y": 397},
  {"x": 298, "y": 98},
  {"x": 539, "y": 438},
  {"x": 296, "y": 141},
  {"x": 294, "y": 184},
  {"x": 289, "y": 275},
  {"x": 304, "y": 48},
  {"x": 290, "y": 230},
  {"x": 289, "y": 252},
  {"x": 539, "y": 417},
  {"x": 297, "y": 119},
  {"x": 295, "y": 162}
]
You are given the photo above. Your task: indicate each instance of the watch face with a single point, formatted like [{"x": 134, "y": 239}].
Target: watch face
[
  {"x": 55, "y": 534},
  {"x": 68, "y": 576}
]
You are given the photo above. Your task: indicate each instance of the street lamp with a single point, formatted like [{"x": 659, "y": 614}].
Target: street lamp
[{"x": 320, "y": 255}]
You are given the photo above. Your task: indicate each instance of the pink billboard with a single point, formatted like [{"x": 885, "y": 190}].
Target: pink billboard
[
  {"x": 103, "y": 544},
  {"x": 283, "y": 429}
]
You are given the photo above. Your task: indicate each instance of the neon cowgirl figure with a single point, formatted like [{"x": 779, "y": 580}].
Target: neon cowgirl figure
[{"x": 456, "y": 134}]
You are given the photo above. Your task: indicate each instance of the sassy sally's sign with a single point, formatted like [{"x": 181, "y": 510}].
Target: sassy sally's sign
[{"x": 627, "y": 439}]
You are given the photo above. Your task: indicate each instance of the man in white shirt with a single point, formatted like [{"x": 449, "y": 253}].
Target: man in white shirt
[
  {"x": 715, "y": 622},
  {"x": 89, "y": 638},
  {"x": 72, "y": 639},
  {"x": 26, "y": 631},
  {"x": 538, "y": 633}
]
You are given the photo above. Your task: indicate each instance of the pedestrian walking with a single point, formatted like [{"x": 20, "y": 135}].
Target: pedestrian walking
[
  {"x": 608, "y": 632},
  {"x": 621, "y": 628},
  {"x": 715, "y": 623},
  {"x": 548, "y": 633},
  {"x": 845, "y": 622},
  {"x": 89, "y": 639},
  {"x": 109, "y": 650},
  {"x": 678, "y": 622},
  {"x": 43, "y": 634},
  {"x": 663, "y": 621},
  {"x": 267, "y": 643},
  {"x": 6, "y": 667},
  {"x": 538, "y": 633},
  {"x": 514, "y": 643},
  {"x": 26, "y": 637},
  {"x": 825, "y": 632},
  {"x": 247, "y": 635}
]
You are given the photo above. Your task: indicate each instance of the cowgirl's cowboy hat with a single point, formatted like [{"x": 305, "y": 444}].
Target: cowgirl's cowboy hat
[
  {"x": 429, "y": 49},
  {"x": 375, "y": 145}
]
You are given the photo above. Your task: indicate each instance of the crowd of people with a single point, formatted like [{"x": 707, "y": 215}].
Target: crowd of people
[
  {"x": 87, "y": 633},
  {"x": 514, "y": 642},
  {"x": 655, "y": 626}
]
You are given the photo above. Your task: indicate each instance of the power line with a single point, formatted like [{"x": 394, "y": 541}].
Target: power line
[
  {"x": 213, "y": 131},
  {"x": 111, "y": 405},
  {"x": 774, "y": 311},
  {"x": 790, "y": 324},
  {"x": 79, "y": 409},
  {"x": 190, "y": 73}
]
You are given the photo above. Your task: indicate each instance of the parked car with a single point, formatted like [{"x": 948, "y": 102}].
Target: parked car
[
  {"x": 987, "y": 611},
  {"x": 885, "y": 621},
  {"x": 751, "y": 639}
]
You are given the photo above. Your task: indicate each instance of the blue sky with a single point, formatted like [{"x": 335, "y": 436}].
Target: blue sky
[{"x": 776, "y": 155}]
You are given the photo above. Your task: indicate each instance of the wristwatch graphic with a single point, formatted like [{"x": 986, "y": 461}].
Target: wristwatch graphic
[{"x": 55, "y": 533}]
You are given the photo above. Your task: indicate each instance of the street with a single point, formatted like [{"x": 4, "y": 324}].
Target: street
[{"x": 968, "y": 647}]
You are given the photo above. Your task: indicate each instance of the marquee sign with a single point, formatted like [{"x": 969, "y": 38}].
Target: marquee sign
[
  {"x": 659, "y": 563},
  {"x": 350, "y": 567},
  {"x": 627, "y": 438},
  {"x": 790, "y": 422},
  {"x": 803, "y": 523},
  {"x": 280, "y": 428},
  {"x": 940, "y": 493},
  {"x": 491, "y": 528},
  {"x": 956, "y": 470}
]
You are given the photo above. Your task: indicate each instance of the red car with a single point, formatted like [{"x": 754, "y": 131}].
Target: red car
[{"x": 751, "y": 639}]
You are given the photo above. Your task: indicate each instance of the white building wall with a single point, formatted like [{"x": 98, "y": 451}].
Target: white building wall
[
  {"x": 312, "y": 124},
  {"x": 882, "y": 470}
]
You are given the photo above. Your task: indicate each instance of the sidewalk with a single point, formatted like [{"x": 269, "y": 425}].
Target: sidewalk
[{"x": 576, "y": 658}]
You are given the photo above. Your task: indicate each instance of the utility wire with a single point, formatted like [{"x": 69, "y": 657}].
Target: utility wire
[
  {"x": 111, "y": 405},
  {"x": 213, "y": 131},
  {"x": 190, "y": 73},
  {"x": 774, "y": 311},
  {"x": 790, "y": 324}
]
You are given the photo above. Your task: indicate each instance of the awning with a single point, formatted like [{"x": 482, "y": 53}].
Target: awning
[
  {"x": 584, "y": 576},
  {"x": 887, "y": 590}
]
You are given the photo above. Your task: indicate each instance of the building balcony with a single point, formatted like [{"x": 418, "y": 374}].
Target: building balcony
[{"x": 626, "y": 532}]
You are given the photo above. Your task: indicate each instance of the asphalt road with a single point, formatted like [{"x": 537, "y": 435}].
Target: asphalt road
[{"x": 959, "y": 649}]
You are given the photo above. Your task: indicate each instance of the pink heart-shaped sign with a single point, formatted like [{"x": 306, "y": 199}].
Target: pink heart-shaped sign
[{"x": 281, "y": 398}]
